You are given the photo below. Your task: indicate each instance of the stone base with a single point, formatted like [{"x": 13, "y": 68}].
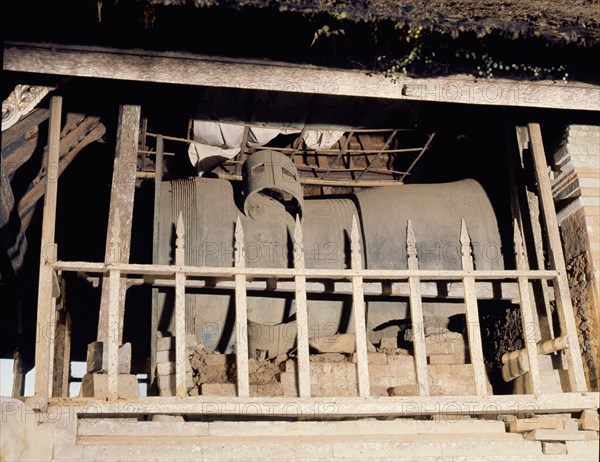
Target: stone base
[{"x": 96, "y": 385}]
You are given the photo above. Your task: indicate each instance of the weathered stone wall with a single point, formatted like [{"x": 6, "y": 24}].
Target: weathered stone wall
[{"x": 576, "y": 190}]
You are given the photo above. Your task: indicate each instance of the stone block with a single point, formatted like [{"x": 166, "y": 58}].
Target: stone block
[
  {"x": 266, "y": 389},
  {"x": 95, "y": 361},
  {"x": 340, "y": 343},
  {"x": 589, "y": 420},
  {"x": 411, "y": 389},
  {"x": 373, "y": 358},
  {"x": 559, "y": 435},
  {"x": 165, "y": 356},
  {"x": 125, "y": 358},
  {"x": 168, "y": 381},
  {"x": 555, "y": 449},
  {"x": 453, "y": 380},
  {"x": 168, "y": 343},
  {"x": 581, "y": 448},
  {"x": 534, "y": 423},
  {"x": 169, "y": 368},
  {"x": 388, "y": 343},
  {"x": 97, "y": 385},
  {"x": 218, "y": 389},
  {"x": 328, "y": 357}
]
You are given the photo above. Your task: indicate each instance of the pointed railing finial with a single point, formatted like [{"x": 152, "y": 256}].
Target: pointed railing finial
[
  {"x": 298, "y": 244},
  {"x": 239, "y": 244},
  {"x": 411, "y": 247},
  {"x": 355, "y": 248},
  {"x": 465, "y": 246}
]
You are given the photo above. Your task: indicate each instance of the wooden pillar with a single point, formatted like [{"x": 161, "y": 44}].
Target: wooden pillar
[
  {"x": 46, "y": 300},
  {"x": 158, "y": 169},
  {"x": 121, "y": 204}
]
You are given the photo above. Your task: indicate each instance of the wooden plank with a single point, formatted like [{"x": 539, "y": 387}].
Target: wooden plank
[
  {"x": 522, "y": 137},
  {"x": 211, "y": 271},
  {"x": 563, "y": 298},
  {"x": 27, "y": 203},
  {"x": 472, "y": 311},
  {"x": 529, "y": 335},
  {"x": 416, "y": 313},
  {"x": 180, "y": 356},
  {"x": 301, "y": 314},
  {"x": 43, "y": 382},
  {"x": 158, "y": 163},
  {"x": 485, "y": 290},
  {"x": 121, "y": 204},
  {"x": 114, "y": 289},
  {"x": 13, "y": 133},
  {"x": 360, "y": 315},
  {"x": 18, "y": 384},
  {"x": 211, "y": 71},
  {"x": 241, "y": 315},
  {"x": 336, "y": 407}
]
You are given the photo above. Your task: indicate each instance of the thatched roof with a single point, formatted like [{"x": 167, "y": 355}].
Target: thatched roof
[{"x": 555, "y": 20}]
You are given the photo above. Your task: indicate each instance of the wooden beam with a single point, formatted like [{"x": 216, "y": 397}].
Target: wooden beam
[
  {"x": 333, "y": 273},
  {"x": 158, "y": 168},
  {"x": 335, "y": 407},
  {"x": 211, "y": 71},
  {"x": 46, "y": 301},
  {"x": 563, "y": 297},
  {"x": 121, "y": 204}
]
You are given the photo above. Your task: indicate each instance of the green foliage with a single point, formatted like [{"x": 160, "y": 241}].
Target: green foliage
[{"x": 423, "y": 52}]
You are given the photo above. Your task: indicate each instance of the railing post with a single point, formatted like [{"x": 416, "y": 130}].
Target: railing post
[
  {"x": 46, "y": 301},
  {"x": 358, "y": 306},
  {"x": 241, "y": 315},
  {"x": 180, "y": 356},
  {"x": 564, "y": 304},
  {"x": 301, "y": 314},
  {"x": 416, "y": 313},
  {"x": 114, "y": 290},
  {"x": 472, "y": 311},
  {"x": 527, "y": 315}
]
